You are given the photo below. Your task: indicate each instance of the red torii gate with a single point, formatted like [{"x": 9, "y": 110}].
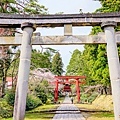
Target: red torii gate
[{"x": 67, "y": 78}]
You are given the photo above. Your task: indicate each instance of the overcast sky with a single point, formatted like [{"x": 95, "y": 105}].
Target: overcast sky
[{"x": 68, "y": 7}]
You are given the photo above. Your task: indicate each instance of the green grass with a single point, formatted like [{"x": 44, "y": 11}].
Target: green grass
[
  {"x": 44, "y": 108},
  {"x": 37, "y": 115},
  {"x": 100, "y": 109},
  {"x": 92, "y": 115},
  {"x": 103, "y": 114},
  {"x": 39, "y": 112},
  {"x": 44, "y": 116}
]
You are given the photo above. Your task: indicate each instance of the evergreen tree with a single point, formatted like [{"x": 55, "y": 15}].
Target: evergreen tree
[
  {"x": 98, "y": 71},
  {"x": 90, "y": 56},
  {"x": 57, "y": 64},
  {"x": 94, "y": 57},
  {"x": 75, "y": 66},
  {"x": 40, "y": 60}
]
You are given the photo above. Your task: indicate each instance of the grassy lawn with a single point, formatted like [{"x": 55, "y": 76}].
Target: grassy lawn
[
  {"x": 37, "y": 115},
  {"x": 44, "y": 112},
  {"x": 89, "y": 112},
  {"x": 44, "y": 108},
  {"x": 101, "y": 116}
]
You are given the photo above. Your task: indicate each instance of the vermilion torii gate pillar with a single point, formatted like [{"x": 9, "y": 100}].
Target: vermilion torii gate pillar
[
  {"x": 56, "y": 91},
  {"x": 67, "y": 78},
  {"x": 114, "y": 65},
  {"x": 78, "y": 89}
]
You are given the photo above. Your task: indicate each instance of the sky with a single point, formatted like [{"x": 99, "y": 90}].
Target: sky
[{"x": 68, "y": 7}]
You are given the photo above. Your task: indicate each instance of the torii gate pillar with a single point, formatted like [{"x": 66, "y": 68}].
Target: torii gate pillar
[
  {"x": 114, "y": 66},
  {"x": 78, "y": 90},
  {"x": 56, "y": 92},
  {"x": 23, "y": 73}
]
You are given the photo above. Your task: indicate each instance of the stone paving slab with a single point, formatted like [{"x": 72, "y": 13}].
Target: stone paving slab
[{"x": 68, "y": 111}]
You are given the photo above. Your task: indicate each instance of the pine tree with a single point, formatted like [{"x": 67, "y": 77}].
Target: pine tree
[
  {"x": 57, "y": 64},
  {"x": 39, "y": 60},
  {"x": 75, "y": 66}
]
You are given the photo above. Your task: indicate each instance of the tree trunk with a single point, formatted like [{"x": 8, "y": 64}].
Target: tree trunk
[
  {"x": 105, "y": 90},
  {"x": 3, "y": 79},
  {"x": 3, "y": 54},
  {"x": 110, "y": 90},
  {"x": 100, "y": 90},
  {"x": 3, "y": 86}
]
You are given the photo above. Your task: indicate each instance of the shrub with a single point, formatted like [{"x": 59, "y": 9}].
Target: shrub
[
  {"x": 32, "y": 102},
  {"x": 92, "y": 98},
  {"x": 84, "y": 98},
  {"x": 42, "y": 96},
  {"x": 48, "y": 101},
  {"x": 5, "y": 109},
  {"x": 10, "y": 97},
  {"x": 42, "y": 93},
  {"x": 88, "y": 98}
]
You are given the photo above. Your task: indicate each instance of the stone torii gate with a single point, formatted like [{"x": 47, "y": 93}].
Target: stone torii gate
[{"x": 26, "y": 22}]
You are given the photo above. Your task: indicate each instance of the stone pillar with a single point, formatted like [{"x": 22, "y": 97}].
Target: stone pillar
[
  {"x": 23, "y": 73},
  {"x": 114, "y": 66}
]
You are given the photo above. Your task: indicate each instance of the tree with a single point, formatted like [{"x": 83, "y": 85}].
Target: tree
[
  {"x": 49, "y": 52},
  {"x": 5, "y": 62},
  {"x": 109, "y": 6},
  {"x": 57, "y": 64},
  {"x": 75, "y": 66},
  {"x": 94, "y": 57},
  {"x": 22, "y": 7},
  {"x": 40, "y": 60},
  {"x": 19, "y": 7},
  {"x": 90, "y": 56},
  {"x": 98, "y": 66},
  {"x": 101, "y": 73}
]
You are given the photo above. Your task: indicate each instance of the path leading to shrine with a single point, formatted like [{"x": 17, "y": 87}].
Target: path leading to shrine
[{"x": 68, "y": 111}]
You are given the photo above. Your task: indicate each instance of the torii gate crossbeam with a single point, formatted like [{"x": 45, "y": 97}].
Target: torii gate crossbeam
[
  {"x": 58, "y": 40},
  {"x": 108, "y": 21},
  {"x": 84, "y": 19}
]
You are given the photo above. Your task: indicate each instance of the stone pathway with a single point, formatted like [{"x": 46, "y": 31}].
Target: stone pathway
[{"x": 68, "y": 111}]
